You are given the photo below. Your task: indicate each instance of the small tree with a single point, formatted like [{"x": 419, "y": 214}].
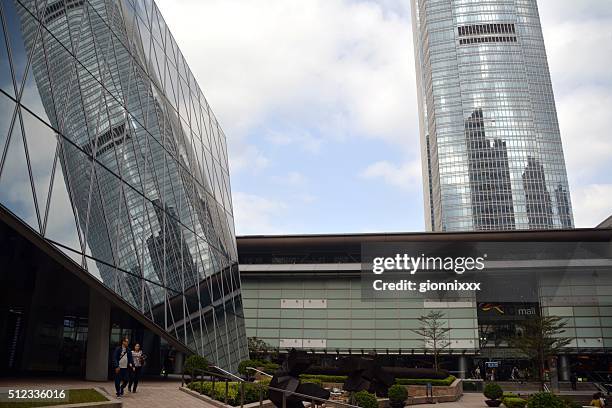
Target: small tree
[
  {"x": 257, "y": 347},
  {"x": 194, "y": 364},
  {"x": 493, "y": 391},
  {"x": 435, "y": 333},
  {"x": 542, "y": 338}
]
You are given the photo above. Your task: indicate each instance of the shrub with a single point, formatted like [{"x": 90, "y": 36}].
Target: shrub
[
  {"x": 570, "y": 403},
  {"x": 194, "y": 363},
  {"x": 545, "y": 400},
  {"x": 324, "y": 378},
  {"x": 242, "y": 367},
  {"x": 493, "y": 391},
  {"x": 251, "y": 391},
  {"x": 266, "y": 366},
  {"x": 423, "y": 381},
  {"x": 398, "y": 393},
  {"x": 364, "y": 399},
  {"x": 270, "y": 367},
  {"x": 508, "y": 394},
  {"x": 312, "y": 381},
  {"x": 514, "y": 402}
]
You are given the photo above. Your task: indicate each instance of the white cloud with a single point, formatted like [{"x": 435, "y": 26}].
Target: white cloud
[
  {"x": 406, "y": 176},
  {"x": 338, "y": 65},
  {"x": 293, "y": 179},
  {"x": 247, "y": 157},
  {"x": 305, "y": 140},
  {"x": 584, "y": 119},
  {"x": 333, "y": 70},
  {"x": 256, "y": 215},
  {"x": 592, "y": 204},
  {"x": 579, "y": 53}
]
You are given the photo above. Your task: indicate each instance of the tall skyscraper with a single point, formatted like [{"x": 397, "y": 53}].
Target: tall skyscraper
[
  {"x": 490, "y": 143},
  {"x": 125, "y": 147}
]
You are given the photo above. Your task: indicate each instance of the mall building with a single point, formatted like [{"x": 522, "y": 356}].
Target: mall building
[{"x": 306, "y": 291}]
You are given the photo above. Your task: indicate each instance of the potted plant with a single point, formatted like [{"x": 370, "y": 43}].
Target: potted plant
[
  {"x": 364, "y": 399},
  {"x": 397, "y": 396},
  {"x": 494, "y": 393}
]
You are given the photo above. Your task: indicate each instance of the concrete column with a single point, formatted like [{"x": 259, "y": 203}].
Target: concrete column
[
  {"x": 564, "y": 368},
  {"x": 462, "y": 366},
  {"x": 179, "y": 359},
  {"x": 98, "y": 334}
]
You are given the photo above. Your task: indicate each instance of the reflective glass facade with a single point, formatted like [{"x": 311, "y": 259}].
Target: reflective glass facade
[
  {"x": 109, "y": 150},
  {"x": 490, "y": 143}
]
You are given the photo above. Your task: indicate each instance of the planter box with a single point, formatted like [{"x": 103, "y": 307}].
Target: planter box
[
  {"x": 417, "y": 394},
  {"x": 219, "y": 404},
  {"x": 332, "y": 385}
]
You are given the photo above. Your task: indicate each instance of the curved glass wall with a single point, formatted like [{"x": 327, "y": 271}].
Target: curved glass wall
[{"x": 111, "y": 152}]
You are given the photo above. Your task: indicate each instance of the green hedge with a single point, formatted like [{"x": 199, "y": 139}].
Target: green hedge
[
  {"x": 312, "y": 381},
  {"x": 402, "y": 381},
  {"x": 423, "y": 381},
  {"x": 324, "y": 378},
  {"x": 514, "y": 402},
  {"x": 548, "y": 400},
  {"x": 268, "y": 367},
  {"x": 251, "y": 391},
  {"x": 545, "y": 400}
]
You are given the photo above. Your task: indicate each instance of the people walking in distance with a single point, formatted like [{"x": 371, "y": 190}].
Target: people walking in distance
[
  {"x": 574, "y": 381},
  {"x": 514, "y": 375},
  {"x": 477, "y": 373},
  {"x": 122, "y": 362},
  {"x": 139, "y": 361}
]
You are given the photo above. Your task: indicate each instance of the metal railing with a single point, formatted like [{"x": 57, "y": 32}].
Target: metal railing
[
  {"x": 259, "y": 371},
  {"x": 602, "y": 381},
  {"x": 226, "y": 377}
]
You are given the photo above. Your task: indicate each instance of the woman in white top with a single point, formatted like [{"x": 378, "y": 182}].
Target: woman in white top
[{"x": 139, "y": 360}]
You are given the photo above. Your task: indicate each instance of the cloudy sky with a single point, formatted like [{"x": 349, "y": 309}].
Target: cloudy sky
[{"x": 318, "y": 102}]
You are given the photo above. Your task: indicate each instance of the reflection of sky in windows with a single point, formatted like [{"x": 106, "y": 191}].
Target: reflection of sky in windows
[
  {"x": 508, "y": 81},
  {"x": 152, "y": 216}
]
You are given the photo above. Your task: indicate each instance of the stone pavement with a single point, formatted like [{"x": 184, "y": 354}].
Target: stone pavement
[
  {"x": 469, "y": 400},
  {"x": 151, "y": 393},
  {"x": 166, "y": 394}
]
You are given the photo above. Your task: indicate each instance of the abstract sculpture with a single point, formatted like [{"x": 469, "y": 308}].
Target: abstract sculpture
[
  {"x": 288, "y": 378},
  {"x": 366, "y": 374}
]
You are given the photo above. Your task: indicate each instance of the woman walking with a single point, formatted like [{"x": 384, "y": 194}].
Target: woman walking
[{"x": 139, "y": 359}]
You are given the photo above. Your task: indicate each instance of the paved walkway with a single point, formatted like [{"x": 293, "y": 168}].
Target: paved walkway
[
  {"x": 151, "y": 394},
  {"x": 166, "y": 394},
  {"x": 470, "y": 400}
]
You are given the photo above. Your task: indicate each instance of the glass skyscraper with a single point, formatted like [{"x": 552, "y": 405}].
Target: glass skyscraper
[
  {"x": 110, "y": 151},
  {"x": 490, "y": 143}
]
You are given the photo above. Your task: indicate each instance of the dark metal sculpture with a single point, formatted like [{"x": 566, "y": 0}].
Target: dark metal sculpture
[
  {"x": 288, "y": 378},
  {"x": 366, "y": 374}
]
